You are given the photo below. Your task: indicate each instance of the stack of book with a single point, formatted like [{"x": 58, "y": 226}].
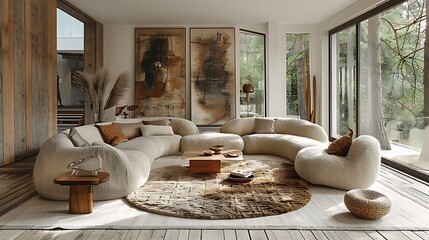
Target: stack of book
[{"x": 240, "y": 176}]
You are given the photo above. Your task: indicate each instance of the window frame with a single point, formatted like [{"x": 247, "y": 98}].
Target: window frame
[
  {"x": 356, "y": 23},
  {"x": 242, "y": 30}
]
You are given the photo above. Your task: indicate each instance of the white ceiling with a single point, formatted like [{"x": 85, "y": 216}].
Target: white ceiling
[{"x": 203, "y": 12}]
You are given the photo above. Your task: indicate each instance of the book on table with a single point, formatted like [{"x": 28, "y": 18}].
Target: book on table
[{"x": 240, "y": 173}]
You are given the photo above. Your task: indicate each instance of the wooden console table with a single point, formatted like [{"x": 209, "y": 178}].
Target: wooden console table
[{"x": 80, "y": 196}]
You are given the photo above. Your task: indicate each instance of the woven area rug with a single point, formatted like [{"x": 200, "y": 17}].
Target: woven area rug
[{"x": 173, "y": 191}]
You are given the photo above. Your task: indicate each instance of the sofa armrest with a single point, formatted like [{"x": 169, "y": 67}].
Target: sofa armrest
[{"x": 58, "y": 152}]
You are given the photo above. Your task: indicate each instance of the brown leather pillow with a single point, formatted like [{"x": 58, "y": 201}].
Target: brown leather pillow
[
  {"x": 342, "y": 145},
  {"x": 112, "y": 134},
  {"x": 130, "y": 130}
]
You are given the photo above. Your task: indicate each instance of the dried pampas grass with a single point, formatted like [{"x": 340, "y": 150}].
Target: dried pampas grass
[{"x": 96, "y": 86}]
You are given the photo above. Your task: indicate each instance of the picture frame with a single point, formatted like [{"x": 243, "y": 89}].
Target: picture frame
[
  {"x": 160, "y": 72},
  {"x": 213, "y": 75}
]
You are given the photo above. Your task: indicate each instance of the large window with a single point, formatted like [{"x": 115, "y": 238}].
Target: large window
[
  {"x": 252, "y": 74},
  {"x": 377, "y": 76},
  {"x": 297, "y": 72}
]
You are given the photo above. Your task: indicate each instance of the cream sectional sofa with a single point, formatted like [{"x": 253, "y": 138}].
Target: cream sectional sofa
[{"x": 128, "y": 163}]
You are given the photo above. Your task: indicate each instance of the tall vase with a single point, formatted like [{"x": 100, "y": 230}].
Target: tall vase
[
  {"x": 96, "y": 120},
  {"x": 423, "y": 161}
]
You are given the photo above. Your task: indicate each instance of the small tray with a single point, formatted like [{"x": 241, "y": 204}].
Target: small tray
[{"x": 240, "y": 179}]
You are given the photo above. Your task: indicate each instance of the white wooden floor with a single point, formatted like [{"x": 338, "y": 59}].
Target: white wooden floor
[{"x": 16, "y": 187}]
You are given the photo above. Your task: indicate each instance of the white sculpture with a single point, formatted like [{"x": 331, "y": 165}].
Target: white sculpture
[{"x": 91, "y": 164}]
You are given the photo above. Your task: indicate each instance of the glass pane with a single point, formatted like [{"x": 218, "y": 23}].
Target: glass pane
[
  {"x": 343, "y": 85},
  {"x": 297, "y": 71},
  {"x": 392, "y": 69},
  {"x": 252, "y": 74}
]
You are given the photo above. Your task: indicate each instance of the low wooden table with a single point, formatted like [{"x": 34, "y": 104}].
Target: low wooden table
[
  {"x": 80, "y": 197},
  {"x": 199, "y": 163}
]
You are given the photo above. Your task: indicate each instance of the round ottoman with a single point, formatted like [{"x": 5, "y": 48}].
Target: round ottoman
[
  {"x": 368, "y": 204},
  {"x": 203, "y": 141}
]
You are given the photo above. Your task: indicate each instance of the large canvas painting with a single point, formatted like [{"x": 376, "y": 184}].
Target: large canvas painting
[
  {"x": 212, "y": 75},
  {"x": 160, "y": 88}
]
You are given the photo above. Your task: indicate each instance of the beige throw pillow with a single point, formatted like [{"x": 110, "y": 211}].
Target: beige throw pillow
[
  {"x": 130, "y": 130},
  {"x": 153, "y": 130},
  {"x": 76, "y": 139},
  {"x": 264, "y": 125}
]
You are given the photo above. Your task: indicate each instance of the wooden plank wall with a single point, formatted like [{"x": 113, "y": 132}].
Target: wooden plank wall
[
  {"x": 28, "y": 79},
  {"x": 1, "y": 83}
]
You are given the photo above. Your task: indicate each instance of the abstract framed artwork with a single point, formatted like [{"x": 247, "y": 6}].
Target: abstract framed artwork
[
  {"x": 160, "y": 72},
  {"x": 212, "y": 75}
]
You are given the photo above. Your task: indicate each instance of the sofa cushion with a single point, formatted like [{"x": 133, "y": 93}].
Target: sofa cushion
[
  {"x": 76, "y": 139},
  {"x": 161, "y": 122},
  {"x": 112, "y": 134},
  {"x": 204, "y": 141},
  {"x": 90, "y": 133},
  {"x": 264, "y": 125},
  {"x": 153, "y": 146},
  {"x": 282, "y": 145},
  {"x": 299, "y": 127},
  {"x": 154, "y": 130},
  {"x": 130, "y": 130},
  {"x": 240, "y": 126}
]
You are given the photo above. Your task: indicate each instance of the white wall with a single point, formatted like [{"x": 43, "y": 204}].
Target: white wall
[
  {"x": 119, "y": 53},
  {"x": 119, "y": 56}
]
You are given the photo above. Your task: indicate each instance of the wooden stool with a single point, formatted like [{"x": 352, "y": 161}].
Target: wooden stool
[{"x": 80, "y": 196}]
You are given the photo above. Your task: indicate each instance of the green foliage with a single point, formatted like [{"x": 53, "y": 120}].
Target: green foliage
[
  {"x": 252, "y": 66},
  {"x": 402, "y": 37},
  {"x": 297, "y": 46}
]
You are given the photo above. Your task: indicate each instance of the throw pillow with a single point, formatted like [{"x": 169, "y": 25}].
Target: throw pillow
[
  {"x": 264, "y": 125},
  {"x": 76, "y": 139},
  {"x": 112, "y": 134},
  {"x": 130, "y": 130},
  {"x": 162, "y": 122},
  {"x": 153, "y": 130},
  {"x": 342, "y": 145}
]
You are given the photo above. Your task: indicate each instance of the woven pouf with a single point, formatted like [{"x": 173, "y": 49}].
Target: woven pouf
[{"x": 367, "y": 204}]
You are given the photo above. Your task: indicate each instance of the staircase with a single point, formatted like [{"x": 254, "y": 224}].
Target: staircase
[{"x": 69, "y": 116}]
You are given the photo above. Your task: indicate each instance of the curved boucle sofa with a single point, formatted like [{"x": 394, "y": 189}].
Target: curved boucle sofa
[
  {"x": 359, "y": 169},
  {"x": 288, "y": 137},
  {"x": 128, "y": 163}
]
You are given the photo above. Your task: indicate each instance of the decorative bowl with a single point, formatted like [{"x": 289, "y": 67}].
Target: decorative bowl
[{"x": 217, "y": 149}]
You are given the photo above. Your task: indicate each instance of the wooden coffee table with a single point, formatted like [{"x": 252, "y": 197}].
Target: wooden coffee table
[
  {"x": 199, "y": 163},
  {"x": 80, "y": 196}
]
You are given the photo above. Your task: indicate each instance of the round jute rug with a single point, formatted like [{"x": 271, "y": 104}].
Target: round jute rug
[{"x": 173, "y": 191}]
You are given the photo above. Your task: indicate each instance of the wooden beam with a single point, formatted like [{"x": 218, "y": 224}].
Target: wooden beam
[
  {"x": 8, "y": 81},
  {"x": 52, "y": 65},
  {"x": 28, "y": 83},
  {"x": 1, "y": 83},
  {"x": 69, "y": 8}
]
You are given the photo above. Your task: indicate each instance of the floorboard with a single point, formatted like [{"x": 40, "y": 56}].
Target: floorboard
[{"x": 16, "y": 187}]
